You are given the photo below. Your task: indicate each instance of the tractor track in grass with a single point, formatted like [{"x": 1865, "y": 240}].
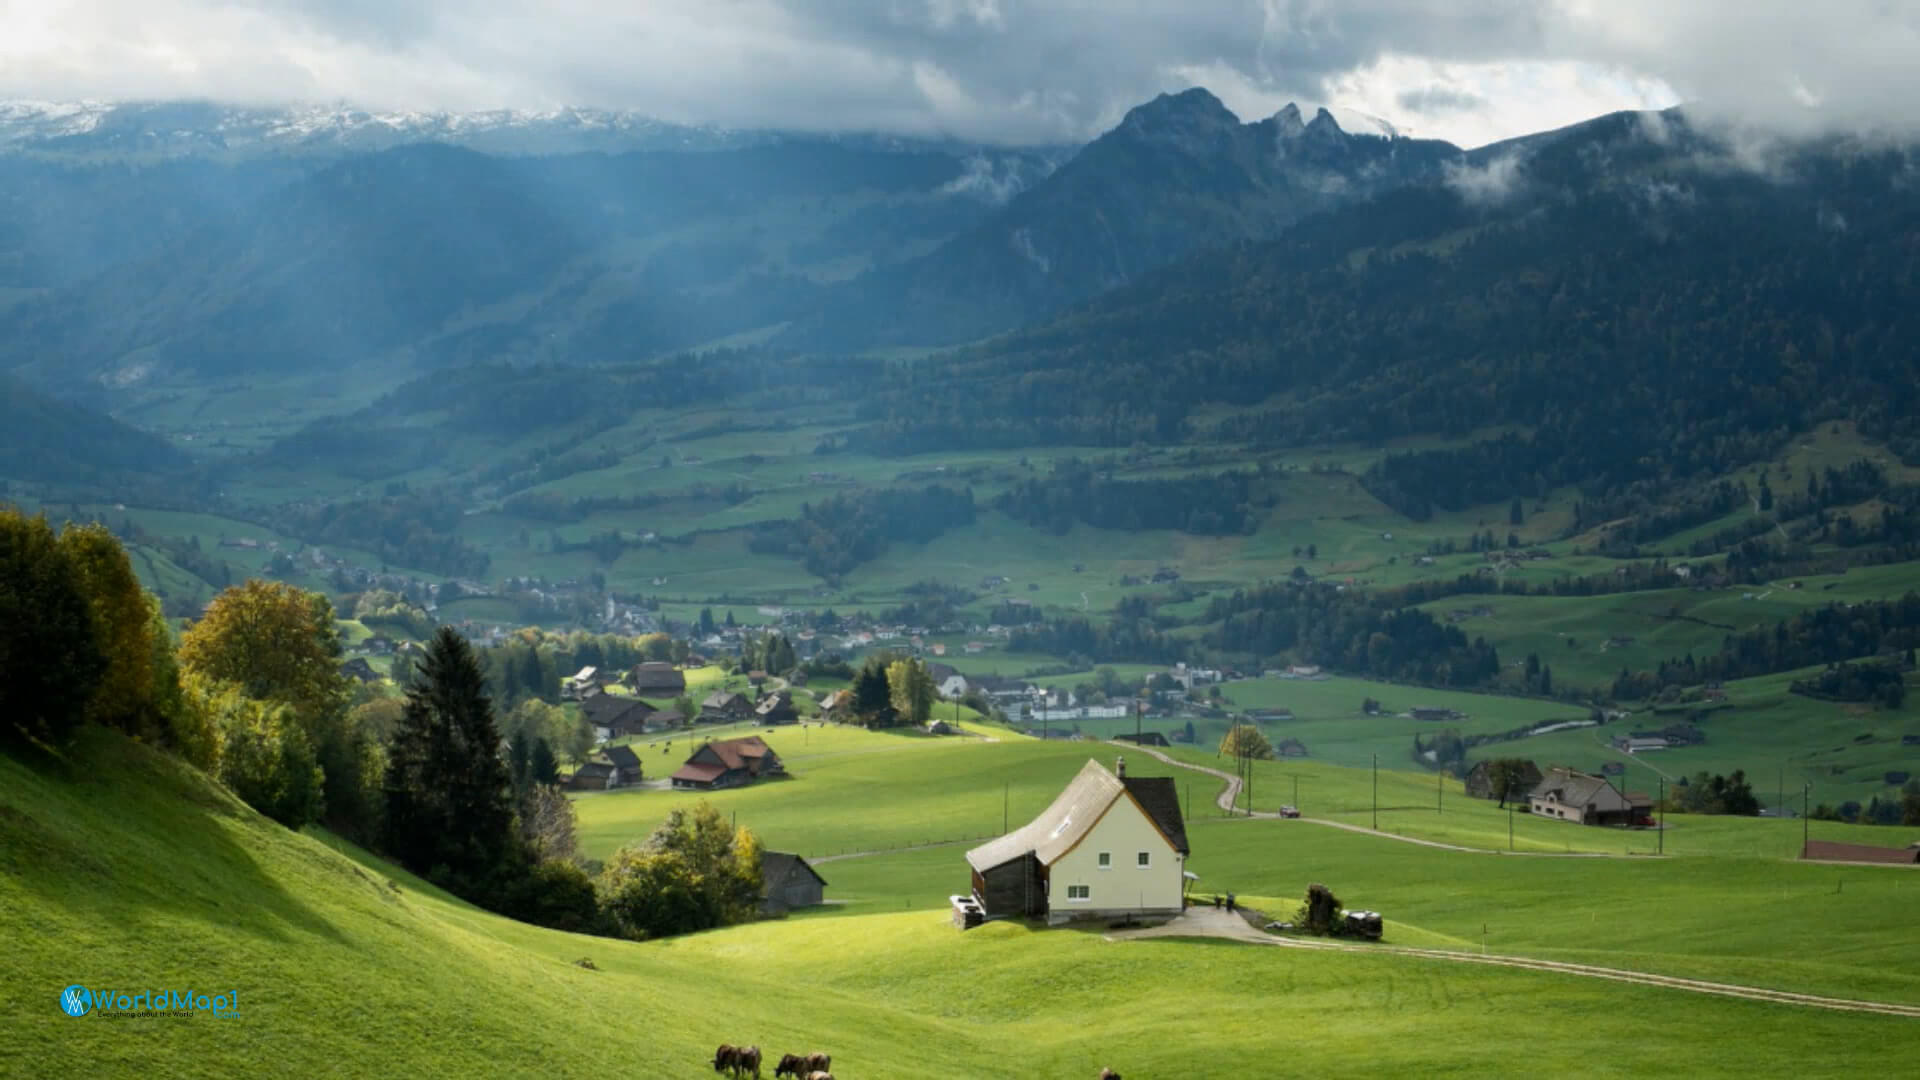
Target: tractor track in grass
[
  {"x": 1231, "y": 792},
  {"x": 1212, "y": 923}
]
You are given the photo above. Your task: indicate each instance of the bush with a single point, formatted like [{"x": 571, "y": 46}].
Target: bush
[
  {"x": 1320, "y": 913},
  {"x": 558, "y": 894},
  {"x": 265, "y": 758}
]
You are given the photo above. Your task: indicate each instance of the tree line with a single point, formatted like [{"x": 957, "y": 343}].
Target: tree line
[{"x": 832, "y": 537}]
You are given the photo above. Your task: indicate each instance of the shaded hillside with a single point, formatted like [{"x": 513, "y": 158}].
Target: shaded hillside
[
  {"x": 440, "y": 255},
  {"x": 1646, "y": 304},
  {"x": 44, "y": 440},
  {"x": 1178, "y": 175}
]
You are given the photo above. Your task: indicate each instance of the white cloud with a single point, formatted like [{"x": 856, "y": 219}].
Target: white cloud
[{"x": 1003, "y": 70}]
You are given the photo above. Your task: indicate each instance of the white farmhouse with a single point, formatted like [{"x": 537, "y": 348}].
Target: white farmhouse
[{"x": 1109, "y": 846}]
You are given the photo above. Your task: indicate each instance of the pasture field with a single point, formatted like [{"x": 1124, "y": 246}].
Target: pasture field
[{"x": 133, "y": 873}]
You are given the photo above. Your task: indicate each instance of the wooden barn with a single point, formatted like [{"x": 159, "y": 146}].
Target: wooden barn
[
  {"x": 729, "y": 763},
  {"x": 788, "y": 882},
  {"x": 776, "y": 709},
  {"x": 618, "y": 715},
  {"x": 657, "y": 679},
  {"x": 725, "y": 706},
  {"x": 1109, "y": 846}
]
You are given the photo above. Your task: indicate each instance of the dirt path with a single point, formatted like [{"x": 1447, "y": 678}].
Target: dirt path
[
  {"x": 1213, "y": 923},
  {"x": 893, "y": 851},
  {"x": 1232, "y": 792}
]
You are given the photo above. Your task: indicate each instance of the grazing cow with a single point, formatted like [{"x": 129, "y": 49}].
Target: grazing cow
[
  {"x": 791, "y": 1065},
  {"x": 819, "y": 1062},
  {"x": 747, "y": 1062},
  {"x": 726, "y": 1058},
  {"x": 819, "y": 1076},
  {"x": 1109, "y": 1074}
]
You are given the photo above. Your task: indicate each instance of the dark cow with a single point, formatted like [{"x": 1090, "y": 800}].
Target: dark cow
[
  {"x": 819, "y": 1062},
  {"x": 1109, "y": 1074},
  {"x": 747, "y": 1062},
  {"x": 726, "y": 1058},
  {"x": 792, "y": 1065}
]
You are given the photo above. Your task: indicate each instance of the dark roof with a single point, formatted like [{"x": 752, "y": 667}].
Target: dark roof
[
  {"x": 658, "y": 675},
  {"x": 778, "y": 865},
  {"x": 622, "y": 756},
  {"x": 609, "y": 709},
  {"x": 723, "y": 699},
  {"x": 775, "y": 703},
  {"x": 593, "y": 770},
  {"x": 1838, "y": 852},
  {"x": 1158, "y": 796}
]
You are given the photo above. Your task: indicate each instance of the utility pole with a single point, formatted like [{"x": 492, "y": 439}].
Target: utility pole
[
  {"x": 1509, "y": 828},
  {"x": 1663, "y": 814},
  {"x": 1296, "y": 791},
  {"x": 1439, "y": 792},
  {"x": 1806, "y": 819},
  {"x": 1376, "y": 793}
]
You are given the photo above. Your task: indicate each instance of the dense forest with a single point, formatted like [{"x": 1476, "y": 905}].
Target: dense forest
[
  {"x": 1826, "y": 635},
  {"x": 834, "y": 536},
  {"x": 1204, "y": 504},
  {"x": 1681, "y": 316},
  {"x": 410, "y": 529}
]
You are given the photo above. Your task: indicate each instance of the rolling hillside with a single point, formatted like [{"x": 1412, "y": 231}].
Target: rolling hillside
[{"x": 126, "y": 873}]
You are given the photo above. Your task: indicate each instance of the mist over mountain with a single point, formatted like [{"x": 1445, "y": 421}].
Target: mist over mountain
[{"x": 1179, "y": 174}]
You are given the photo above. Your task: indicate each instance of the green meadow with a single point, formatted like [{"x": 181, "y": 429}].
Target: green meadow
[{"x": 126, "y": 871}]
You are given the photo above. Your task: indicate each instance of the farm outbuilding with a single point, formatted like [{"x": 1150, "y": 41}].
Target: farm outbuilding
[
  {"x": 658, "y": 679},
  {"x": 728, "y": 764},
  {"x": 618, "y": 715},
  {"x": 788, "y": 882},
  {"x": 1109, "y": 846},
  {"x": 1590, "y": 800}
]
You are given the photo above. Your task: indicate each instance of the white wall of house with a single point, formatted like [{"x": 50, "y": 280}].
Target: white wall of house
[{"x": 1123, "y": 833}]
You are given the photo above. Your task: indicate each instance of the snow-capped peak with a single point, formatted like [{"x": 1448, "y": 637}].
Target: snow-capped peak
[{"x": 1349, "y": 121}]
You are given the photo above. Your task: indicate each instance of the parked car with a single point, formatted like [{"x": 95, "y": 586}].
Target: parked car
[{"x": 1289, "y": 811}]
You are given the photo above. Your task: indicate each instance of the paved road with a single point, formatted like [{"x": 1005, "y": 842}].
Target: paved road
[{"x": 1216, "y": 923}]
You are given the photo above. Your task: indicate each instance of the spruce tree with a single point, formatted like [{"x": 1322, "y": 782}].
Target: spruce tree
[{"x": 449, "y": 795}]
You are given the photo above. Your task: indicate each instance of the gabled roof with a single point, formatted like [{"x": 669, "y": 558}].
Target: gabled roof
[
  {"x": 1059, "y": 826},
  {"x": 609, "y": 709},
  {"x": 622, "y": 756},
  {"x": 658, "y": 675},
  {"x": 1570, "y": 788},
  {"x": 736, "y": 753},
  {"x": 1158, "y": 796},
  {"x": 593, "y": 770},
  {"x": 722, "y": 699},
  {"x": 777, "y": 865},
  {"x": 699, "y": 772},
  {"x": 584, "y": 674},
  {"x": 774, "y": 703}
]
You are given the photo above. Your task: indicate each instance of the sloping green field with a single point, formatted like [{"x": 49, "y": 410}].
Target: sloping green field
[{"x": 123, "y": 871}]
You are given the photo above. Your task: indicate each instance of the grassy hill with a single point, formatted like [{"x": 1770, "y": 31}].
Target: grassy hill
[{"x": 125, "y": 871}]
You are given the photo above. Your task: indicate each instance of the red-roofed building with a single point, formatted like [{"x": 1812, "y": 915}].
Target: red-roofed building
[{"x": 729, "y": 763}]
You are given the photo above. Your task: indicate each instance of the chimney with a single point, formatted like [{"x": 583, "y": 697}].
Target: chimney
[{"x": 1120, "y": 767}]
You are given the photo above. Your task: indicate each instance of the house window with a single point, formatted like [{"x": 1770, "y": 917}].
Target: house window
[
  {"x": 1146, "y": 858},
  {"x": 1106, "y": 860},
  {"x": 1079, "y": 892}
]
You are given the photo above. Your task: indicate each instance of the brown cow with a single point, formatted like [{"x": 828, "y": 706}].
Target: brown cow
[
  {"x": 791, "y": 1065},
  {"x": 819, "y": 1062},
  {"x": 725, "y": 1058},
  {"x": 819, "y": 1076},
  {"x": 747, "y": 1060}
]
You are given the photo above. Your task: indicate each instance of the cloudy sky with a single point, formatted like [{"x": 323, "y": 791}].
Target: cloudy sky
[{"x": 1000, "y": 70}]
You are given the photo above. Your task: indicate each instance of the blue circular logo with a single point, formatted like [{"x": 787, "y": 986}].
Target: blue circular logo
[{"x": 76, "y": 1001}]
